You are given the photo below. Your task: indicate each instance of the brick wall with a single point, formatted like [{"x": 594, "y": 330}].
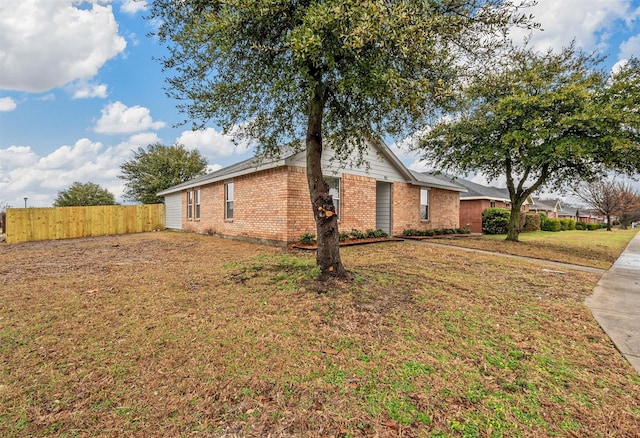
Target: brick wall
[
  {"x": 444, "y": 208},
  {"x": 357, "y": 204},
  {"x": 273, "y": 206},
  {"x": 471, "y": 212},
  {"x": 260, "y": 207}
]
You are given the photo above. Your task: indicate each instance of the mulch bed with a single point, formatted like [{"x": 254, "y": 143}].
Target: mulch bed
[
  {"x": 442, "y": 236},
  {"x": 350, "y": 242}
]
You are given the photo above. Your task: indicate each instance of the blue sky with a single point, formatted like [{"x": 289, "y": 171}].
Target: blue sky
[{"x": 80, "y": 90}]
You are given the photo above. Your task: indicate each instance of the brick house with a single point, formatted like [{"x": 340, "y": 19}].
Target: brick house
[
  {"x": 267, "y": 200},
  {"x": 477, "y": 199}
]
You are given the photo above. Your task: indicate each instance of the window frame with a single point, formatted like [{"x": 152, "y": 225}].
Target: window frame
[
  {"x": 335, "y": 191},
  {"x": 189, "y": 205},
  {"x": 229, "y": 202},
  {"x": 424, "y": 213},
  {"x": 196, "y": 204}
]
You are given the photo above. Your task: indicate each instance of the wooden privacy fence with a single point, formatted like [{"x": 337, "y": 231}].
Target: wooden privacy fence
[{"x": 27, "y": 224}]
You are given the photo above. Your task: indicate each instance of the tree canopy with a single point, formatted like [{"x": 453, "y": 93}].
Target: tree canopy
[
  {"x": 157, "y": 168},
  {"x": 542, "y": 119},
  {"x": 343, "y": 71},
  {"x": 84, "y": 194}
]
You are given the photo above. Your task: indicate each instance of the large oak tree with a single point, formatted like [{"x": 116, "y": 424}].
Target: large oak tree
[
  {"x": 542, "y": 119},
  {"x": 326, "y": 71}
]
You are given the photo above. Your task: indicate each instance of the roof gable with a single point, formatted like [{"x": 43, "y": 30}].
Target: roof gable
[{"x": 392, "y": 167}]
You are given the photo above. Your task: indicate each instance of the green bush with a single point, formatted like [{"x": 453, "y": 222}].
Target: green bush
[
  {"x": 567, "y": 224},
  {"x": 531, "y": 222},
  {"x": 495, "y": 220},
  {"x": 550, "y": 225},
  {"x": 357, "y": 234},
  {"x": 581, "y": 225},
  {"x": 344, "y": 236},
  {"x": 592, "y": 227},
  {"x": 307, "y": 238}
]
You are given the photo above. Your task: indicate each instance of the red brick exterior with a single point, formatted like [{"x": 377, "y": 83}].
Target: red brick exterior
[
  {"x": 444, "y": 208},
  {"x": 471, "y": 212},
  {"x": 273, "y": 206}
]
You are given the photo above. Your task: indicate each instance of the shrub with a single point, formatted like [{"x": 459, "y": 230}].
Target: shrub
[
  {"x": 567, "y": 224},
  {"x": 531, "y": 222},
  {"x": 581, "y": 225},
  {"x": 357, "y": 234},
  {"x": 495, "y": 220},
  {"x": 463, "y": 231},
  {"x": 307, "y": 238},
  {"x": 592, "y": 227},
  {"x": 550, "y": 225},
  {"x": 344, "y": 236}
]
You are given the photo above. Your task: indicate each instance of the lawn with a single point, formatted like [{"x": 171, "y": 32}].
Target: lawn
[
  {"x": 596, "y": 249},
  {"x": 170, "y": 334}
]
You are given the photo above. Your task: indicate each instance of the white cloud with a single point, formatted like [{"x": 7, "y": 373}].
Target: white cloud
[
  {"x": 7, "y": 104},
  {"x": 629, "y": 48},
  {"x": 133, "y": 6},
  {"x": 49, "y": 43},
  {"x": 23, "y": 173},
  {"x": 211, "y": 143},
  {"x": 87, "y": 90},
  {"x": 589, "y": 22},
  {"x": 117, "y": 118}
]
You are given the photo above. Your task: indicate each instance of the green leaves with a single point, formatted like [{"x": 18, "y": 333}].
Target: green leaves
[
  {"x": 87, "y": 194},
  {"x": 157, "y": 168},
  {"x": 385, "y": 67}
]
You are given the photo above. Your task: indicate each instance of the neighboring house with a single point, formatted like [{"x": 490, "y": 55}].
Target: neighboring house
[
  {"x": 267, "y": 200},
  {"x": 549, "y": 207},
  {"x": 477, "y": 199},
  {"x": 560, "y": 211}
]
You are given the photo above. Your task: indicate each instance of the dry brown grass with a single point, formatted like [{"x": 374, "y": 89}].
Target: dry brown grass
[{"x": 168, "y": 334}]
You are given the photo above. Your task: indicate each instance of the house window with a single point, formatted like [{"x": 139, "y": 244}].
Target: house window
[
  {"x": 424, "y": 204},
  {"x": 334, "y": 191},
  {"x": 492, "y": 204},
  {"x": 228, "y": 201},
  {"x": 189, "y": 205},
  {"x": 197, "y": 201}
]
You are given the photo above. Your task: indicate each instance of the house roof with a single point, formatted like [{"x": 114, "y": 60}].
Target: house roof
[
  {"x": 550, "y": 205},
  {"x": 256, "y": 164},
  {"x": 473, "y": 190}
]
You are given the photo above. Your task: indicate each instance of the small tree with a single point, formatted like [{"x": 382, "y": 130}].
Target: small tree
[
  {"x": 542, "y": 119},
  {"x": 157, "y": 168},
  {"x": 610, "y": 197},
  {"x": 86, "y": 194}
]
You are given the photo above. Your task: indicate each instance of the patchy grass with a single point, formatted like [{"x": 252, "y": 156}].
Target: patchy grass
[
  {"x": 596, "y": 249},
  {"x": 168, "y": 334}
]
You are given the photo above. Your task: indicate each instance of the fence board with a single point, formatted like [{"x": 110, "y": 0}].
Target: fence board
[{"x": 28, "y": 224}]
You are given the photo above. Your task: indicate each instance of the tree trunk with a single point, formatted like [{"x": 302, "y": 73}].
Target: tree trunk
[
  {"x": 608, "y": 222},
  {"x": 324, "y": 213},
  {"x": 513, "y": 228}
]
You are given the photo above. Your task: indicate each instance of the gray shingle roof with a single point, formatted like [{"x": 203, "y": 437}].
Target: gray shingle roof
[
  {"x": 260, "y": 163},
  {"x": 473, "y": 190}
]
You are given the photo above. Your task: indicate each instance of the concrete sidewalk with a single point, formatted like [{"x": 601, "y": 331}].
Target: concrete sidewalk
[{"x": 615, "y": 303}]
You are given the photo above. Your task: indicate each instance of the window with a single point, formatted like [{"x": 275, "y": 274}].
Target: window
[
  {"x": 424, "y": 204},
  {"x": 189, "y": 205},
  {"x": 492, "y": 204},
  {"x": 197, "y": 199},
  {"x": 228, "y": 201},
  {"x": 334, "y": 191}
]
